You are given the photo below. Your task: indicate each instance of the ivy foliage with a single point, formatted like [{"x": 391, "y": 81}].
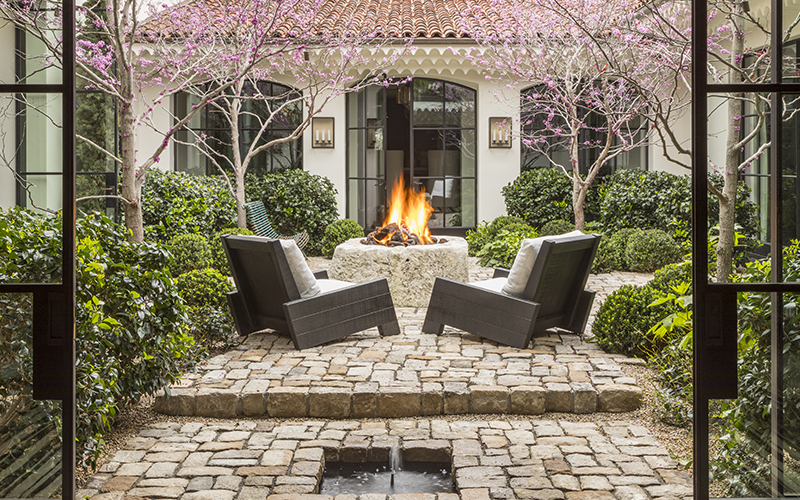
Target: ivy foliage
[
  {"x": 296, "y": 201},
  {"x": 175, "y": 203},
  {"x": 502, "y": 250}
]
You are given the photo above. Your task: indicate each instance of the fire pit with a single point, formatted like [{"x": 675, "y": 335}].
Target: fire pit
[{"x": 404, "y": 252}]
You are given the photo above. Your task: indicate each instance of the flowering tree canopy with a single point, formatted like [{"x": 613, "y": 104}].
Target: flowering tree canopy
[
  {"x": 213, "y": 45},
  {"x": 571, "y": 55}
]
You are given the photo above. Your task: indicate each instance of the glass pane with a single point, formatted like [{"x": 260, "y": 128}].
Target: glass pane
[
  {"x": 30, "y": 432},
  {"x": 741, "y": 434},
  {"x": 745, "y": 239},
  {"x": 791, "y": 31},
  {"x": 459, "y": 153},
  {"x": 429, "y": 155},
  {"x": 43, "y": 192},
  {"x": 374, "y": 105},
  {"x": 355, "y": 153},
  {"x": 95, "y": 120},
  {"x": 790, "y": 167},
  {"x": 188, "y": 158},
  {"x": 374, "y": 155},
  {"x": 92, "y": 185},
  {"x": 366, "y": 202},
  {"x": 39, "y": 66},
  {"x": 460, "y": 106},
  {"x": 428, "y": 114},
  {"x": 355, "y": 201},
  {"x": 355, "y": 109},
  {"x": 746, "y": 62},
  {"x": 428, "y": 103}
]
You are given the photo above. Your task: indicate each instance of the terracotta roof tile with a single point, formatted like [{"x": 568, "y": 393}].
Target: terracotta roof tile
[{"x": 390, "y": 18}]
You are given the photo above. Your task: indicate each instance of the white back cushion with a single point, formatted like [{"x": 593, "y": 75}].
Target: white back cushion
[
  {"x": 303, "y": 277},
  {"x": 523, "y": 263}
]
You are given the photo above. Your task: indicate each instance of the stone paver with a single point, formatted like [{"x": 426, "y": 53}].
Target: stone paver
[
  {"x": 490, "y": 459},
  {"x": 411, "y": 374}
]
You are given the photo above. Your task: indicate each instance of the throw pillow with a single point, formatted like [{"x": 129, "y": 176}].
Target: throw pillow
[{"x": 303, "y": 277}]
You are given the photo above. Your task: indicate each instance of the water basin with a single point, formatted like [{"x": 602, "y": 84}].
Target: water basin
[{"x": 376, "y": 477}]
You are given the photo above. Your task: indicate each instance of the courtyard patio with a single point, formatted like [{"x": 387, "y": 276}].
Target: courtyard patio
[{"x": 499, "y": 415}]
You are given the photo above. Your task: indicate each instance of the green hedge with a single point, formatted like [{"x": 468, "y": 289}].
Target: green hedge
[
  {"x": 176, "y": 203},
  {"x": 338, "y": 232},
  {"x": 130, "y": 336},
  {"x": 296, "y": 201}
]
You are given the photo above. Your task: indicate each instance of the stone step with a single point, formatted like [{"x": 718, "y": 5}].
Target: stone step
[{"x": 368, "y": 402}]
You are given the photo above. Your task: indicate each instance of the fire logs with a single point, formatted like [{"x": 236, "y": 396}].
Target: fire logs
[{"x": 395, "y": 235}]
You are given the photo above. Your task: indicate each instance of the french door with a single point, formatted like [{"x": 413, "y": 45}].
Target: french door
[
  {"x": 37, "y": 319},
  {"x": 747, "y": 333},
  {"x": 422, "y": 133}
]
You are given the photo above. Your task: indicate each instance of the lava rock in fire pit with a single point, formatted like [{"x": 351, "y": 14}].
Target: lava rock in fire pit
[{"x": 395, "y": 235}]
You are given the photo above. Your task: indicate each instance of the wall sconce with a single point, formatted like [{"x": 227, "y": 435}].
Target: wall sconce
[
  {"x": 322, "y": 132},
  {"x": 499, "y": 132}
]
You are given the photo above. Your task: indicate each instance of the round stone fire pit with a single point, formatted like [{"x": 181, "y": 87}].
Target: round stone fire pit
[{"x": 410, "y": 270}]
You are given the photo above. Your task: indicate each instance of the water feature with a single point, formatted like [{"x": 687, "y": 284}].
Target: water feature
[
  {"x": 392, "y": 478},
  {"x": 377, "y": 477}
]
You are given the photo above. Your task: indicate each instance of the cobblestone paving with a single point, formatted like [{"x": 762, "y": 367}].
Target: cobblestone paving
[
  {"x": 502, "y": 459},
  {"x": 410, "y": 374}
]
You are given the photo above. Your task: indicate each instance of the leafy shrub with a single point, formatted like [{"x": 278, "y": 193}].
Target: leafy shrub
[
  {"x": 204, "y": 287},
  {"x": 204, "y": 292},
  {"x": 190, "y": 251},
  {"x": 673, "y": 365},
  {"x": 130, "y": 339},
  {"x": 611, "y": 252},
  {"x": 501, "y": 251},
  {"x": 338, "y": 232},
  {"x": 478, "y": 237},
  {"x": 556, "y": 227},
  {"x": 651, "y": 249},
  {"x": 218, "y": 259},
  {"x": 665, "y": 279},
  {"x": 625, "y": 317},
  {"x": 539, "y": 196},
  {"x": 176, "y": 203},
  {"x": 296, "y": 201},
  {"x": 487, "y": 231},
  {"x": 660, "y": 200}
]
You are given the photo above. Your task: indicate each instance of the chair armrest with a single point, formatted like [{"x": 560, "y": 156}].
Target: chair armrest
[
  {"x": 501, "y": 272},
  {"x": 322, "y": 274}
]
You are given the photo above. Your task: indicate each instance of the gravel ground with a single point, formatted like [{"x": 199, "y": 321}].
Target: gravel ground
[{"x": 678, "y": 441}]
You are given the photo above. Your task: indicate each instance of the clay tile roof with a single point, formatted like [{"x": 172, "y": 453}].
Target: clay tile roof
[{"x": 393, "y": 18}]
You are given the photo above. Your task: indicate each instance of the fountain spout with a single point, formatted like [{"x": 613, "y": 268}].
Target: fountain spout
[{"x": 395, "y": 461}]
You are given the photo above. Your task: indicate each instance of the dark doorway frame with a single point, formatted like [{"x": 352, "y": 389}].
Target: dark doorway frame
[
  {"x": 715, "y": 303},
  {"x": 54, "y": 303}
]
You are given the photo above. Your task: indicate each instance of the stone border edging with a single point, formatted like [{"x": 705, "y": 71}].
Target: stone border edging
[{"x": 257, "y": 399}]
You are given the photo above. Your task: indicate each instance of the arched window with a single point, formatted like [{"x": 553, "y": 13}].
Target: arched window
[{"x": 212, "y": 123}]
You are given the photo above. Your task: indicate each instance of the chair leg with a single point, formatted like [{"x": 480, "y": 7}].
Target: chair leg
[
  {"x": 389, "y": 329},
  {"x": 432, "y": 327},
  {"x": 581, "y": 314}
]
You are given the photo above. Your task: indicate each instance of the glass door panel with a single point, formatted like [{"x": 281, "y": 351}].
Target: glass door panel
[
  {"x": 366, "y": 156},
  {"x": 30, "y": 430}
]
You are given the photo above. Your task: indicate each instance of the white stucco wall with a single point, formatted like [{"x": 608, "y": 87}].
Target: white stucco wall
[{"x": 149, "y": 138}]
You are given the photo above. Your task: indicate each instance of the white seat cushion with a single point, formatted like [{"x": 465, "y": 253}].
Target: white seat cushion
[
  {"x": 303, "y": 277},
  {"x": 328, "y": 285},
  {"x": 526, "y": 257},
  {"x": 494, "y": 284}
]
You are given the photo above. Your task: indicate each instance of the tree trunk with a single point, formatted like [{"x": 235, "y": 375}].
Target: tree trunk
[
  {"x": 131, "y": 183},
  {"x": 241, "y": 215},
  {"x": 579, "y": 191},
  {"x": 727, "y": 201}
]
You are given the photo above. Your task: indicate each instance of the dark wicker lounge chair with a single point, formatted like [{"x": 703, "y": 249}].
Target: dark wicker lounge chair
[
  {"x": 258, "y": 222},
  {"x": 553, "y": 296},
  {"x": 275, "y": 290}
]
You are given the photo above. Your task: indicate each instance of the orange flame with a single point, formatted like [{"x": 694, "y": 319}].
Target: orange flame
[{"x": 409, "y": 208}]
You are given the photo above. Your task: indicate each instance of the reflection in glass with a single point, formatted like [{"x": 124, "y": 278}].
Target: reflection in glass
[{"x": 30, "y": 443}]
